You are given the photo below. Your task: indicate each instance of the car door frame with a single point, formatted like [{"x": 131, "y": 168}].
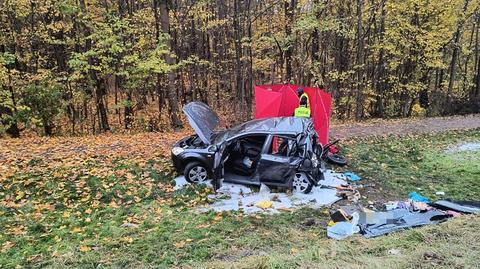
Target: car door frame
[
  {"x": 220, "y": 157},
  {"x": 278, "y": 170}
]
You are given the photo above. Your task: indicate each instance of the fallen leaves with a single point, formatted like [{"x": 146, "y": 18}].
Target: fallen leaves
[
  {"x": 76, "y": 230},
  {"x": 67, "y": 189},
  {"x": 85, "y": 248},
  {"x": 7, "y": 246}
]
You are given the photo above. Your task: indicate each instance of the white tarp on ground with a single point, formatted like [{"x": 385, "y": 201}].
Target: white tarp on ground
[{"x": 240, "y": 197}]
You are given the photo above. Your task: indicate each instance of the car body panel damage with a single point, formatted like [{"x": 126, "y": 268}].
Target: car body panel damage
[{"x": 273, "y": 151}]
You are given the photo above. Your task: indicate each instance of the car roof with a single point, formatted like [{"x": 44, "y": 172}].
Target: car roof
[{"x": 276, "y": 125}]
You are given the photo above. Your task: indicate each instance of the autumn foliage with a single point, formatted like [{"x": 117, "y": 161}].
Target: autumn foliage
[{"x": 77, "y": 67}]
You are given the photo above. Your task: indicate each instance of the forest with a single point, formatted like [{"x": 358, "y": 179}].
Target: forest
[{"x": 71, "y": 67}]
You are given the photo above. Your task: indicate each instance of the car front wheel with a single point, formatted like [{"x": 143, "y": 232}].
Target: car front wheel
[
  {"x": 196, "y": 173},
  {"x": 301, "y": 183}
]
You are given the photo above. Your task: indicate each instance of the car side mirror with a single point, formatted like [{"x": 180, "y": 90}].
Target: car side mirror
[{"x": 212, "y": 148}]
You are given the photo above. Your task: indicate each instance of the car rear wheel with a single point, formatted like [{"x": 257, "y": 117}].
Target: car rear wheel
[
  {"x": 301, "y": 183},
  {"x": 196, "y": 173}
]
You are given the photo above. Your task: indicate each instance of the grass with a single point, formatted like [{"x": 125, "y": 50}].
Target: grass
[
  {"x": 118, "y": 212},
  {"x": 422, "y": 163}
]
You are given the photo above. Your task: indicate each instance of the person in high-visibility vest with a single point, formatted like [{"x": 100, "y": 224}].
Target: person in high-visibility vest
[{"x": 303, "y": 110}]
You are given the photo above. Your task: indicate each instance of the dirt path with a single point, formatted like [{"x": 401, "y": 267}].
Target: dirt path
[{"x": 404, "y": 126}]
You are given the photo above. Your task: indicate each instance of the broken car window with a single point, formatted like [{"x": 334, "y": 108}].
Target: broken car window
[{"x": 283, "y": 146}]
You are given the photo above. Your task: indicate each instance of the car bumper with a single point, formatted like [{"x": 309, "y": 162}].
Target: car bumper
[{"x": 178, "y": 163}]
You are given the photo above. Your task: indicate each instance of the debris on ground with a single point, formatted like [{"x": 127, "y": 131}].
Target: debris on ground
[
  {"x": 393, "y": 251},
  {"x": 348, "y": 192},
  {"x": 399, "y": 219},
  {"x": 265, "y": 204},
  {"x": 397, "y": 215},
  {"x": 414, "y": 196},
  {"x": 352, "y": 176},
  {"x": 237, "y": 197},
  {"x": 344, "y": 229}
]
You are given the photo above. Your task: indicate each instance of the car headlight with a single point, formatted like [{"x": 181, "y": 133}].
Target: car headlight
[{"x": 177, "y": 150}]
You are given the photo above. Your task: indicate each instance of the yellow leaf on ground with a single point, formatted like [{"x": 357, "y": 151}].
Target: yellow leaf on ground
[
  {"x": 113, "y": 204},
  {"x": 127, "y": 239},
  {"x": 20, "y": 195},
  {"x": 180, "y": 244},
  {"x": 264, "y": 204},
  {"x": 7, "y": 246},
  {"x": 85, "y": 248}
]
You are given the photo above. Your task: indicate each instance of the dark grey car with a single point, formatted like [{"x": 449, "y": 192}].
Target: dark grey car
[{"x": 281, "y": 152}]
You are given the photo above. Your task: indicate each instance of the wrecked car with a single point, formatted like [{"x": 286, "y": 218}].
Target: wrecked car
[{"x": 278, "y": 152}]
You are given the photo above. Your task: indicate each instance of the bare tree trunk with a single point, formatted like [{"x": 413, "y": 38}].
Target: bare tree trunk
[
  {"x": 289, "y": 11},
  {"x": 476, "y": 87},
  {"x": 360, "y": 61},
  {"x": 171, "y": 93},
  {"x": 315, "y": 44},
  {"x": 453, "y": 63},
  {"x": 379, "y": 77},
  {"x": 238, "y": 53}
]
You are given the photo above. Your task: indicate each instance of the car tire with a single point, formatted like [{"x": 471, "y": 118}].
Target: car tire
[
  {"x": 301, "y": 183},
  {"x": 336, "y": 159},
  {"x": 195, "y": 172}
]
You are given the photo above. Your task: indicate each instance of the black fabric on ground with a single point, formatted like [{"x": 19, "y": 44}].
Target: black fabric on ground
[{"x": 469, "y": 207}]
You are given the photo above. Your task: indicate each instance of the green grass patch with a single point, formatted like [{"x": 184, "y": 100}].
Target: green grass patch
[{"x": 422, "y": 163}]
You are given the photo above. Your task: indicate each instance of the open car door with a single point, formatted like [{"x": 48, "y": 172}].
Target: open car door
[{"x": 279, "y": 161}]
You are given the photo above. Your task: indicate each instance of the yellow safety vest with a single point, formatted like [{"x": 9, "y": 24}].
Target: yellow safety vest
[{"x": 303, "y": 111}]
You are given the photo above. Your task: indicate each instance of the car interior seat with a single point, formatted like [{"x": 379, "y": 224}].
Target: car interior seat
[{"x": 245, "y": 157}]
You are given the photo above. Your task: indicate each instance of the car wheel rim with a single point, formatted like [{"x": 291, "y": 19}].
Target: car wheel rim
[
  {"x": 198, "y": 174},
  {"x": 300, "y": 182}
]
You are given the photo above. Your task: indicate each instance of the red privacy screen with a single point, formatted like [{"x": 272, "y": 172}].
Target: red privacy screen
[{"x": 281, "y": 100}]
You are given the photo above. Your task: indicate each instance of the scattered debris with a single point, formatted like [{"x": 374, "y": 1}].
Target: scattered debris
[
  {"x": 393, "y": 251},
  {"x": 398, "y": 215},
  {"x": 440, "y": 193},
  {"x": 398, "y": 219},
  {"x": 344, "y": 229},
  {"x": 352, "y": 176},
  {"x": 264, "y": 204},
  {"x": 236, "y": 197},
  {"x": 348, "y": 192},
  {"x": 420, "y": 206},
  {"x": 414, "y": 196},
  {"x": 339, "y": 216}
]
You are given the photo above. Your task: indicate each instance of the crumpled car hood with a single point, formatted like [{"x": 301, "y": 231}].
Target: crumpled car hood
[{"x": 202, "y": 119}]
